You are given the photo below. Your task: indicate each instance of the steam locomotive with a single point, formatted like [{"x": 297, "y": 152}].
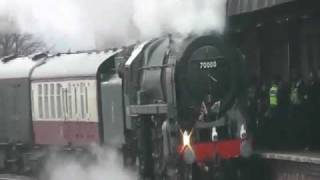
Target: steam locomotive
[
  {"x": 174, "y": 107},
  {"x": 185, "y": 107}
]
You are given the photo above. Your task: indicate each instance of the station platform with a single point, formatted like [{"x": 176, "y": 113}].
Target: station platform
[
  {"x": 294, "y": 156},
  {"x": 14, "y": 177},
  {"x": 287, "y": 165}
]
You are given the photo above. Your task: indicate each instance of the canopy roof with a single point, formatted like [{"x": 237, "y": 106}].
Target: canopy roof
[{"x": 235, "y": 7}]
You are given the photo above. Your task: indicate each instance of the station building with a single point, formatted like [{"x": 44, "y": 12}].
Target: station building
[{"x": 278, "y": 37}]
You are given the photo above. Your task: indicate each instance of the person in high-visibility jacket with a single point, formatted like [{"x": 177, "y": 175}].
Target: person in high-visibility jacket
[
  {"x": 272, "y": 124},
  {"x": 273, "y": 95}
]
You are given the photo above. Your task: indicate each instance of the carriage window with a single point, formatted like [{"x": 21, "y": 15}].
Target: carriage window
[
  {"x": 82, "y": 100},
  {"x": 65, "y": 101},
  {"x": 86, "y": 99},
  {"x": 40, "y": 104},
  {"x": 70, "y": 100},
  {"x": 52, "y": 101},
  {"x": 59, "y": 101},
  {"x": 46, "y": 101},
  {"x": 75, "y": 100},
  {"x": 32, "y": 101}
]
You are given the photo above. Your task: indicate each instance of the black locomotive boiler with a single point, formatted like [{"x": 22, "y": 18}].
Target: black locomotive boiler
[{"x": 184, "y": 109}]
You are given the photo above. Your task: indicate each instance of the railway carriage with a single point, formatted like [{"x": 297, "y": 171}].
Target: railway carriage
[
  {"x": 67, "y": 100},
  {"x": 15, "y": 114},
  {"x": 15, "y": 102}
]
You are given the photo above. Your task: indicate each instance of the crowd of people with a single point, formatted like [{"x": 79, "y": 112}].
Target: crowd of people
[{"x": 285, "y": 115}]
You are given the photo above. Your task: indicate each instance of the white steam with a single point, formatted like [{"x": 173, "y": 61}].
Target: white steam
[
  {"x": 107, "y": 167},
  {"x": 83, "y": 24},
  {"x": 154, "y": 17}
]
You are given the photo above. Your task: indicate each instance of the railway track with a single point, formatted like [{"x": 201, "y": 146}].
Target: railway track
[{"x": 265, "y": 165}]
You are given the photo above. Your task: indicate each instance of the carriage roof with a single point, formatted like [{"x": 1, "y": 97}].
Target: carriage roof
[
  {"x": 17, "y": 68},
  {"x": 72, "y": 65}
]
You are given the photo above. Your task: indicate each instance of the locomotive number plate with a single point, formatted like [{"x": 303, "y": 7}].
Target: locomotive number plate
[{"x": 208, "y": 64}]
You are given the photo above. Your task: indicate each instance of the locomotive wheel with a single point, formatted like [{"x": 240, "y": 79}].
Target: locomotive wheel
[
  {"x": 228, "y": 171},
  {"x": 161, "y": 170},
  {"x": 171, "y": 169},
  {"x": 158, "y": 159},
  {"x": 129, "y": 157},
  {"x": 152, "y": 163},
  {"x": 145, "y": 148},
  {"x": 189, "y": 172}
]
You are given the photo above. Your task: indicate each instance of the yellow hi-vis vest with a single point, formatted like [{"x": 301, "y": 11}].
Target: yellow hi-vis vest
[{"x": 273, "y": 96}]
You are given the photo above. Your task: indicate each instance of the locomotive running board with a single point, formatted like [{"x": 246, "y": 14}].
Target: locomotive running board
[
  {"x": 149, "y": 109},
  {"x": 135, "y": 110}
]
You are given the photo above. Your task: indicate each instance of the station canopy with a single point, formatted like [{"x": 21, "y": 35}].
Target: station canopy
[
  {"x": 235, "y": 7},
  {"x": 72, "y": 65}
]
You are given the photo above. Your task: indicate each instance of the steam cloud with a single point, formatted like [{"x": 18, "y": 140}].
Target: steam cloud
[
  {"x": 107, "y": 167},
  {"x": 77, "y": 24}
]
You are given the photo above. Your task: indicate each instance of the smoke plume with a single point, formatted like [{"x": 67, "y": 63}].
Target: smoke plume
[
  {"x": 84, "y": 24},
  {"x": 106, "y": 167}
]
